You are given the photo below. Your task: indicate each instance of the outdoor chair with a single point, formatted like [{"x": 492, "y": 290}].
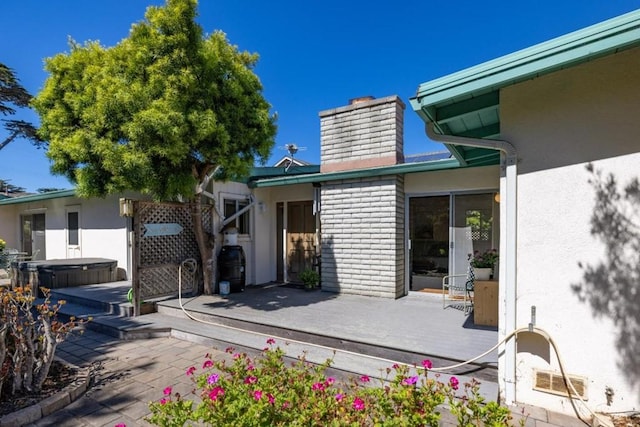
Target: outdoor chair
[{"x": 459, "y": 290}]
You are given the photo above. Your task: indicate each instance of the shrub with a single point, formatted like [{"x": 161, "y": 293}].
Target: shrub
[
  {"x": 29, "y": 336},
  {"x": 310, "y": 278},
  {"x": 269, "y": 392}
]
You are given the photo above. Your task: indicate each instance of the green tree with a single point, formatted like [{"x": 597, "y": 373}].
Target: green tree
[
  {"x": 5, "y": 187},
  {"x": 13, "y": 95},
  {"x": 160, "y": 112}
]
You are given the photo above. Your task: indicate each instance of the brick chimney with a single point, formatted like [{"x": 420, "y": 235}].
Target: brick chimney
[{"x": 364, "y": 134}]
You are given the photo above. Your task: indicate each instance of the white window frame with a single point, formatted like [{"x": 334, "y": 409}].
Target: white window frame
[{"x": 240, "y": 202}]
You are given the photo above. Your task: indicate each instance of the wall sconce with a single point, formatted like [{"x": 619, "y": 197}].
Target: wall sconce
[
  {"x": 496, "y": 197},
  {"x": 126, "y": 207}
]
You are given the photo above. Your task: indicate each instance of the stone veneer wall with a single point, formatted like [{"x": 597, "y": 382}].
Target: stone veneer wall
[
  {"x": 362, "y": 224},
  {"x": 367, "y": 133}
]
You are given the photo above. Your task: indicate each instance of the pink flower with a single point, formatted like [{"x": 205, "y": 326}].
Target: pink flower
[
  {"x": 286, "y": 405},
  {"x": 213, "y": 378},
  {"x": 271, "y": 398},
  {"x": 339, "y": 397},
  {"x": 427, "y": 364},
  {"x": 191, "y": 370},
  {"x": 271, "y": 341},
  {"x": 250, "y": 380},
  {"x": 453, "y": 381},
  {"x": 395, "y": 366},
  {"x": 257, "y": 395},
  {"x": 163, "y": 401},
  {"x": 237, "y": 356},
  {"x": 365, "y": 379},
  {"x": 229, "y": 350},
  {"x": 358, "y": 404},
  {"x": 250, "y": 368},
  {"x": 217, "y": 391},
  {"x": 207, "y": 364},
  {"x": 410, "y": 380},
  {"x": 167, "y": 391},
  {"x": 330, "y": 381},
  {"x": 317, "y": 386},
  {"x": 121, "y": 425}
]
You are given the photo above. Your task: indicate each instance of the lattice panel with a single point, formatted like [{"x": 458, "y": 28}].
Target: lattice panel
[
  {"x": 159, "y": 256},
  {"x": 162, "y": 280}
]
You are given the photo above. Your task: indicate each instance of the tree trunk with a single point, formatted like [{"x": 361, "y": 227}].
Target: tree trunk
[
  {"x": 205, "y": 246},
  {"x": 48, "y": 352}
]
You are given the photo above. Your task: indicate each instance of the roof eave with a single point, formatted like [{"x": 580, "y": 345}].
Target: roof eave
[
  {"x": 580, "y": 46},
  {"x": 38, "y": 197},
  {"x": 357, "y": 173}
]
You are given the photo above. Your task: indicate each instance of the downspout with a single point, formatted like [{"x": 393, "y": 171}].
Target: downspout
[{"x": 508, "y": 240}]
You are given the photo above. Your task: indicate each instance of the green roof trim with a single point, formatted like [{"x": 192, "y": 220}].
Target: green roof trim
[
  {"x": 38, "y": 197},
  {"x": 403, "y": 168},
  {"x": 467, "y": 103}
]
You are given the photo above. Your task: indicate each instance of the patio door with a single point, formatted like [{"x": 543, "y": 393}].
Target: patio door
[
  {"x": 300, "y": 240},
  {"x": 33, "y": 235},
  {"x": 429, "y": 221},
  {"x": 443, "y": 230}
]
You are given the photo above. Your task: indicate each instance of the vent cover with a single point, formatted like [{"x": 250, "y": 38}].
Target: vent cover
[{"x": 552, "y": 382}]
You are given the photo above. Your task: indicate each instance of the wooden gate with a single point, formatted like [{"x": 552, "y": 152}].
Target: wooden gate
[{"x": 163, "y": 237}]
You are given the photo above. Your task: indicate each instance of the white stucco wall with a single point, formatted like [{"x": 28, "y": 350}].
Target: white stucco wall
[
  {"x": 445, "y": 181},
  {"x": 9, "y": 226},
  {"x": 103, "y": 233},
  {"x": 558, "y": 123}
]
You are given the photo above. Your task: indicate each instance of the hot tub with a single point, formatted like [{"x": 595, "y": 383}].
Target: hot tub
[{"x": 63, "y": 273}]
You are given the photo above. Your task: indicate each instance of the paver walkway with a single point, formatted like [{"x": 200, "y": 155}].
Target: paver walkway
[{"x": 128, "y": 375}]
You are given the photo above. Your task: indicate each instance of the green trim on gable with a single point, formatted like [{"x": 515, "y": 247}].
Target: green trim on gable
[
  {"x": 467, "y": 103},
  {"x": 403, "y": 168}
]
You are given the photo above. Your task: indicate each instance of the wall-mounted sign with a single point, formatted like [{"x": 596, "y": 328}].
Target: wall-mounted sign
[{"x": 166, "y": 229}]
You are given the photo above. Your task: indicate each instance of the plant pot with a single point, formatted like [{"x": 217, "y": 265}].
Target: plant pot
[{"x": 482, "y": 273}]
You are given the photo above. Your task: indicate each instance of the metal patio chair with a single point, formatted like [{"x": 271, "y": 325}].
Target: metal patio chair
[{"x": 459, "y": 290}]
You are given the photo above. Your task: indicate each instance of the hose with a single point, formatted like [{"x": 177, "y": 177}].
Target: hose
[{"x": 192, "y": 266}]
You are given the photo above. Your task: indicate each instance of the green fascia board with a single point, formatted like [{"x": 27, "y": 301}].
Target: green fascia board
[
  {"x": 403, "y": 168},
  {"x": 38, "y": 197},
  {"x": 273, "y": 172},
  {"x": 580, "y": 46}
]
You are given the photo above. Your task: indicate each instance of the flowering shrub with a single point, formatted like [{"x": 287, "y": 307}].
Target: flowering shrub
[
  {"x": 268, "y": 392},
  {"x": 486, "y": 259},
  {"x": 29, "y": 336}
]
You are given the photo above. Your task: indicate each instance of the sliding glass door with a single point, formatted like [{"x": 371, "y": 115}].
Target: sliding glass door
[{"x": 444, "y": 230}]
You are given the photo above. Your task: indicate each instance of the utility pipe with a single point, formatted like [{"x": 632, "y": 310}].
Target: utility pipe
[{"x": 508, "y": 242}]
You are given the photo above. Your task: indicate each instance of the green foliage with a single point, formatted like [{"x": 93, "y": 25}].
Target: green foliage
[
  {"x": 486, "y": 259},
  {"x": 13, "y": 95},
  {"x": 310, "y": 278},
  {"x": 157, "y": 112},
  {"x": 267, "y": 391}
]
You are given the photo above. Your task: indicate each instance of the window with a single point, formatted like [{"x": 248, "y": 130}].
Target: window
[
  {"x": 231, "y": 206},
  {"x": 73, "y": 229}
]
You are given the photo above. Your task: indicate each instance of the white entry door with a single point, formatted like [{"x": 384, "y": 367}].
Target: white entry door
[{"x": 74, "y": 249}]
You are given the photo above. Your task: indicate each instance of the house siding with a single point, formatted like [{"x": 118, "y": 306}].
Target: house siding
[{"x": 559, "y": 123}]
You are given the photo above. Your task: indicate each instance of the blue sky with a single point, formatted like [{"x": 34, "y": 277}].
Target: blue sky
[{"x": 314, "y": 55}]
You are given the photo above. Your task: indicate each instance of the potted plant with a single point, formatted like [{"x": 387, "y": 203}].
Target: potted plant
[
  {"x": 483, "y": 263},
  {"x": 310, "y": 278}
]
